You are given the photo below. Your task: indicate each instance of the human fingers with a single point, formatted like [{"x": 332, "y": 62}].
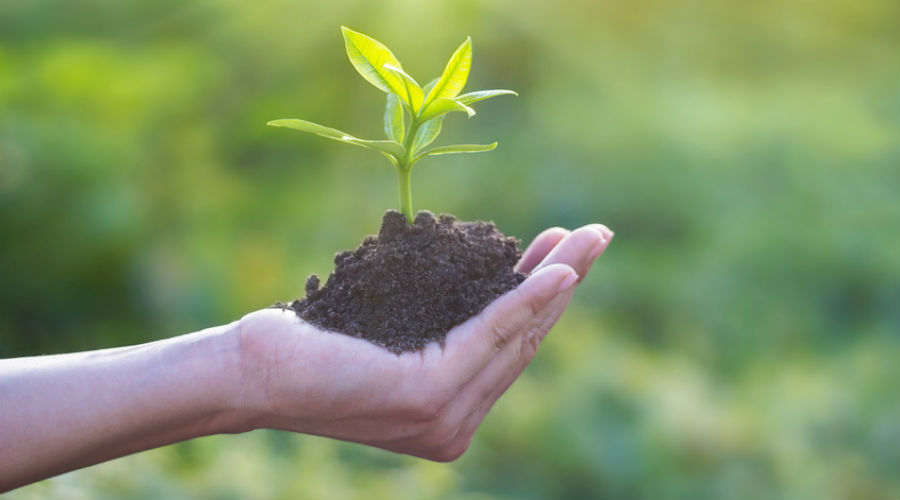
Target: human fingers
[
  {"x": 480, "y": 394},
  {"x": 476, "y": 398},
  {"x": 444, "y": 409},
  {"x": 443, "y": 432},
  {"x": 579, "y": 248},
  {"x": 508, "y": 364},
  {"x": 539, "y": 248},
  {"x": 471, "y": 345}
]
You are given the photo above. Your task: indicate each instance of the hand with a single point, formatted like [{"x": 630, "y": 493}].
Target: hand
[
  {"x": 426, "y": 403},
  {"x": 270, "y": 369}
]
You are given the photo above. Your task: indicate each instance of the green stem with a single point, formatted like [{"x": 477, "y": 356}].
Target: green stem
[
  {"x": 404, "y": 167},
  {"x": 405, "y": 193}
]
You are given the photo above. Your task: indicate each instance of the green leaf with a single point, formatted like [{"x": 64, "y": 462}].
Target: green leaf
[
  {"x": 481, "y": 95},
  {"x": 369, "y": 56},
  {"x": 313, "y": 128},
  {"x": 455, "y": 74},
  {"x": 413, "y": 94},
  {"x": 440, "y": 106},
  {"x": 393, "y": 118},
  {"x": 427, "y": 133},
  {"x": 430, "y": 85},
  {"x": 391, "y": 148},
  {"x": 457, "y": 148},
  {"x": 387, "y": 147}
]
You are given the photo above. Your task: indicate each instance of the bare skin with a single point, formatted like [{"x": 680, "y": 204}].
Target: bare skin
[{"x": 272, "y": 370}]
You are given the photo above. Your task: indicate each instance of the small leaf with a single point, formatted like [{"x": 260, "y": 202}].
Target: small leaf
[
  {"x": 313, "y": 128},
  {"x": 457, "y": 148},
  {"x": 413, "y": 94},
  {"x": 481, "y": 95},
  {"x": 387, "y": 147},
  {"x": 369, "y": 56},
  {"x": 427, "y": 133},
  {"x": 441, "y": 106},
  {"x": 393, "y": 118},
  {"x": 455, "y": 74}
]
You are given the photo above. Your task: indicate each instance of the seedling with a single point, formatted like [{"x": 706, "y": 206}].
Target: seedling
[{"x": 413, "y": 115}]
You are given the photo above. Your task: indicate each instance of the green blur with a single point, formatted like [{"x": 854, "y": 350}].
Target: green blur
[{"x": 738, "y": 340}]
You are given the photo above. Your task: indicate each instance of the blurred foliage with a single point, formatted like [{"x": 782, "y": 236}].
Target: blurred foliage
[{"x": 738, "y": 340}]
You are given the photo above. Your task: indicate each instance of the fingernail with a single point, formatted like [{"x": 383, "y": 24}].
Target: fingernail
[
  {"x": 599, "y": 247},
  {"x": 567, "y": 282},
  {"x": 607, "y": 232}
]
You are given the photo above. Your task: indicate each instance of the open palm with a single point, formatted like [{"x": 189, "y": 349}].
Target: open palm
[{"x": 426, "y": 403}]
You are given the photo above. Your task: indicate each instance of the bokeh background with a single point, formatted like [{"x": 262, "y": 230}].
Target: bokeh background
[{"x": 738, "y": 340}]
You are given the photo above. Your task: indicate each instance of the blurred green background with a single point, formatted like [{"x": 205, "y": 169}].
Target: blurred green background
[{"x": 738, "y": 340}]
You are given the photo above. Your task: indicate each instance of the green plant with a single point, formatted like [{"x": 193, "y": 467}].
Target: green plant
[{"x": 413, "y": 115}]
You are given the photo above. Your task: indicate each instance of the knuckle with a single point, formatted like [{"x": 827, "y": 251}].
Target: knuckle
[
  {"x": 534, "y": 338},
  {"x": 501, "y": 335},
  {"x": 535, "y": 306},
  {"x": 530, "y": 345},
  {"x": 534, "y": 303}
]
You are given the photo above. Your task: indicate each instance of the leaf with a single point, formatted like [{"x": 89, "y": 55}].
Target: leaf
[
  {"x": 430, "y": 85},
  {"x": 481, "y": 95},
  {"x": 457, "y": 148},
  {"x": 369, "y": 56},
  {"x": 442, "y": 106},
  {"x": 427, "y": 133},
  {"x": 455, "y": 74},
  {"x": 387, "y": 147},
  {"x": 413, "y": 94},
  {"x": 313, "y": 128},
  {"x": 393, "y": 118}
]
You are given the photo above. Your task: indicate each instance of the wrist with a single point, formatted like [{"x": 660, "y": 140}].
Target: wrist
[
  {"x": 276, "y": 381},
  {"x": 235, "y": 382}
]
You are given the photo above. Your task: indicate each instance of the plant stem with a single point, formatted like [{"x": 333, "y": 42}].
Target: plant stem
[
  {"x": 404, "y": 167},
  {"x": 405, "y": 193}
]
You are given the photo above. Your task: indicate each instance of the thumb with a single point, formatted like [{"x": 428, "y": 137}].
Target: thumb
[{"x": 472, "y": 344}]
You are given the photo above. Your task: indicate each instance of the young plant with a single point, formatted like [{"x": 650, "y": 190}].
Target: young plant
[{"x": 413, "y": 115}]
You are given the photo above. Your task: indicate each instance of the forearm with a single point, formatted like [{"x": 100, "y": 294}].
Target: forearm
[{"x": 59, "y": 413}]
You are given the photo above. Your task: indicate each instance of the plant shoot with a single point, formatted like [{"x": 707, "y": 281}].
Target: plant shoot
[{"x": 413, "y": 114}]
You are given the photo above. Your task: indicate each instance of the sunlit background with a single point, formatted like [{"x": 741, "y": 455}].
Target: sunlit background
[{"x": 738, "y": 340}]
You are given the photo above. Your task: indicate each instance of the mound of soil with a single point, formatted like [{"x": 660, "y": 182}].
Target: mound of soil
[{"x": 412, "y": 283}]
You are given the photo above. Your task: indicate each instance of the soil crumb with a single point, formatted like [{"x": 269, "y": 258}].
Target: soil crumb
[{"x": 411, "y": 284}]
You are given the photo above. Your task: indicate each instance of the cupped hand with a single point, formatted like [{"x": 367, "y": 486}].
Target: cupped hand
[{"x": 426, "y": 403}]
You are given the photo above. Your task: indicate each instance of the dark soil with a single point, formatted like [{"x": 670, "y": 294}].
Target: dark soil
[{"x": 411, "y": 284}]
